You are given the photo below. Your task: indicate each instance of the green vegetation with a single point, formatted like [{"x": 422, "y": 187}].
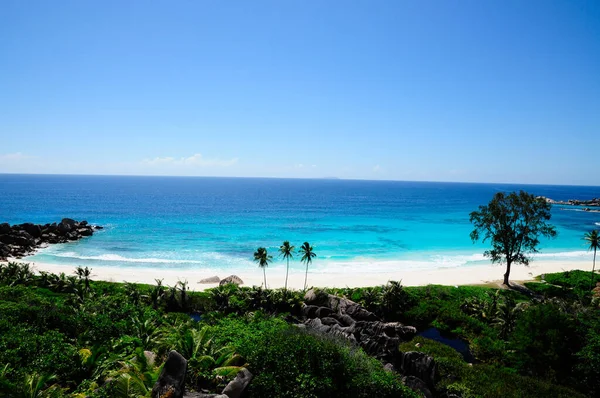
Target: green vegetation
[
  {"x": 69, "y": 336},
  {"x": 593, "y": 239},
  {"x": 263, "y": 259},
  {"x": 307, "y": 252},
  {"x": 513, "y": 224},
  {"x": 300, "y": 364},
  {"x": 482, "y": 380},
  {"x": 523, "y": 345},
  {"x": 287, "y": 251}
]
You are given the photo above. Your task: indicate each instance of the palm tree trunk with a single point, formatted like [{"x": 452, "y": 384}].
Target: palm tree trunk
[
  {"x": 287, "y": 270},
  {"x": 593, "y": 269},
  {"x": 305, "y": 276},
  {"x": 265, "y": 274}
]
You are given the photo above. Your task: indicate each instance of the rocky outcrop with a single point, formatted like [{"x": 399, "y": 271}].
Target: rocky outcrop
[
  {"x": 341, "y": 317},
  {"x": 232, "y": 279},
  {"x": 574, "y": 202},
  {"x": 212, "y": 279},
  {"x": 419, "y": 365},
  {"x": 171, "y": 382},
  {"x": 20, "y": 240},
  {"x": 238, "y": 385}
]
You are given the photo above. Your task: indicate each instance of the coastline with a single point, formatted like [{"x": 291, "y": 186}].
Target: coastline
[{"x": 461, "y": 275}]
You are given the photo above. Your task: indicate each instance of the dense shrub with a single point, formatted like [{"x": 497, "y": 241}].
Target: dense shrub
[
  {"x": 482, "y": 380},
  {"x": 544, "y": 343},
  {"x": 571, "y": 279},
  {"x": 548, "y": 290},
  {"x": 289, "y": 362}
]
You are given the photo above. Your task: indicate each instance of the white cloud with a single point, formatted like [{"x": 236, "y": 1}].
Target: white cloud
[
  {"x": 196, "y": 160},
  {"x": 377, "y": 169},
  {"x": 14, "y": 156}
]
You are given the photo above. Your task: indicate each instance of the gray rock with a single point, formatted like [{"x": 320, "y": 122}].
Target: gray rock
[
  {"x": 323, "y": 312},
  {"x": 150, "y": 357},
  {"x": 212, "y": 279},
  {"x": 346, "y": 320},
  {"x": 63, "y": 228},
  {"x": 418, "y": 385},
  {"x": 4, "y": 228},
  {"x": 171, "y": 382},
  {"x": 419, "y": 365},
  {"x": 236, "y": 387},
  {"x": 309, "y": 311},
  {"x": 32, "y": 229},
  {"x": 388, "y": 367},
  {"x": 232, "y": 279},
  {"x": 85, "y": 232},
  {"x": 339, "y": 305},
  {"x": 70, "y": 222},
  {"x": 330, "y": 321}
]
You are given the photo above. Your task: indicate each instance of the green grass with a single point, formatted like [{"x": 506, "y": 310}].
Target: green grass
[{"x": 575, "y": 279}]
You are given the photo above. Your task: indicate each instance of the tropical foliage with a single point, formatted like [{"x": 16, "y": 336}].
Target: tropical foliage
[
  {"x": 62, "y": 336},
  {"x": 593, "y": 240},
  {"x": 263, "y": 259},
  {"x": 287, "y": 252},
  {"x": 307, "y": 255}
]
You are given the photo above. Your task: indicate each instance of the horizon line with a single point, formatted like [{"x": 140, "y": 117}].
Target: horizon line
[{"x": 291, "y": 178}]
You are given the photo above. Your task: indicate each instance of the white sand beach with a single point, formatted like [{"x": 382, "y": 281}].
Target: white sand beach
[{"x": 463, "y": 275}]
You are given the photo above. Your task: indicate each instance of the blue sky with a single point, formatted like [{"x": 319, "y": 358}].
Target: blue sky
[{"x": 482, "y": 91}]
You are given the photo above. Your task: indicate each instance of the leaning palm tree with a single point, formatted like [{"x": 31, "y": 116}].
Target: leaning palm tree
[
  {"x": 594, "y": 241},
  {"x": 307, "y": 255},
  {"x": 263, "y": 259},
  {"x": 287, "y": 252}
]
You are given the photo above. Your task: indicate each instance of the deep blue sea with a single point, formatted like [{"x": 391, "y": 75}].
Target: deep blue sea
[{"x": 197, "y": 222}]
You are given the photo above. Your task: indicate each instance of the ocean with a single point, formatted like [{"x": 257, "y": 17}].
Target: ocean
[{"x": 217, "y": 223}]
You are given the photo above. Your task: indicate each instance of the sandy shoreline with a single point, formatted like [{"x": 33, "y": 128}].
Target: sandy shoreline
[{"x": 462, "y": 275}]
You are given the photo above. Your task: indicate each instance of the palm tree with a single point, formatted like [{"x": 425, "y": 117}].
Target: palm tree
[
  {"x": 594, "y": 240},
  {"x": 84, "y": 274},
  {"x": 263, "y": 259},
  {"x": 287, "y": 252},
  {"x": 307, "y": 255}
]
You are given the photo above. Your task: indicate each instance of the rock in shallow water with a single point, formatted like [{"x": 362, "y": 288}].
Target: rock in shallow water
[
  {"x": 212, "y": 279},
  {"x": 232, "y": 279},
  {"x": 22, "y": 239}
]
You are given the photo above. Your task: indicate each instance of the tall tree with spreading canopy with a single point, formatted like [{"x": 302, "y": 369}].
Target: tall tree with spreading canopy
[
  {"x": 307, "y": 255},
  {"x": 513, "y": 224},
  {"x": 593, "y": 239},
  {"x": 287, "y": 252},
  {"x": 263, "y": 259}
]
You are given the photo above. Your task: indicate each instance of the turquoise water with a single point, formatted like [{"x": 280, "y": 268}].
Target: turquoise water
[{"x": 217, "y": 223}]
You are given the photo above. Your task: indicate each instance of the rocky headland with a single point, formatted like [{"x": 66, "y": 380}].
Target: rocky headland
[
  {"x": 586, "y": 204},
  {"x": 19, "y": 240}
]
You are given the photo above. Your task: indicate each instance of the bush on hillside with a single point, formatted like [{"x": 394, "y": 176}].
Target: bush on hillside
[{"x": 290, "y": 362}]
